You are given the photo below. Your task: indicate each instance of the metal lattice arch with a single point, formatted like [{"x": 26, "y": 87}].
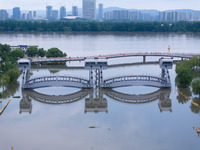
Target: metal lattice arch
[
  {"x": 50, "y": 81},
  {"x": 137, "y": 80}
]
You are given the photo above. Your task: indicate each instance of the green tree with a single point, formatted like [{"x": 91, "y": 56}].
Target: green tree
[
  {"x": 32, "y": 51},
  {"x": 55, "y": 52},
  {"x": 13, "y": 74},
  {"x": 196, "y": 86},
  {"x": 184, "y": 77},
  {"x": 17, "y": 53},
  {"x": 4, "y": 49},
  {"x": 41, "y": 52},
  {"x": 5, "y": 80}
]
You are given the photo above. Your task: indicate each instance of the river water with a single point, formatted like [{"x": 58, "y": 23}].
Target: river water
[{"x": 101, "y": 119}]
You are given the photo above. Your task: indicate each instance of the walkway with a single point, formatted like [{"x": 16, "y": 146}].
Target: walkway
[{"x": 64, "y": 59}]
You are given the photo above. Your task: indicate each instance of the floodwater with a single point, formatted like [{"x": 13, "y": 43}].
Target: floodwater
[{"x": 121, "y": 118}]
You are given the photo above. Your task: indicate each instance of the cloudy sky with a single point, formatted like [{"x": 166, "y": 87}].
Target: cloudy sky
[{"x": 137, "y": 4}]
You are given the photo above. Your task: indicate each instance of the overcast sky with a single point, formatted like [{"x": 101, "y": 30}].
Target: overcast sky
[{"x": 135, "y": 4}]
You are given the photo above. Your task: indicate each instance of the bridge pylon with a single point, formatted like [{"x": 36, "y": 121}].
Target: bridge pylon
[
  {"x": 97, "y": 66},
  {"x": 165, "y": 64},
  {"x": 24, "y": 65}
]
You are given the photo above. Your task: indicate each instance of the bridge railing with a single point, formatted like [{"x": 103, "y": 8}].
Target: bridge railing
[
  {"x": 57, "y": 78},
  {"x": 134, "y": 78},
  {"x": 179, "y": 55}
]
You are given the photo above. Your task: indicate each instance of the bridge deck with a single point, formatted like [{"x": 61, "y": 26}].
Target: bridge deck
[{"x": 64, "y": 59}]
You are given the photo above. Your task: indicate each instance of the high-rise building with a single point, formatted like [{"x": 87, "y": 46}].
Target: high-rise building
[
  {"x": 62, "y": 12},
  {"x": 120, "y": 14},
  {"x": 89, "y": 9},
  {"x": 23, "y": 17},
  {"x": 30, "y": 15},
  {"x": 34, "y": 14},
  {"x": 74, "y": 11},
  {"x": 163, "y": 16},
  {"x": 27, "y": 16},
  {"x": 191, "y": 17},
  {"x": 127, "y": 15},
  {"x": 3, "y": 14},
  {"x": 109, "y": 15},
  {"x": 54, "y": 14},
  {"x": 100, "y": 15},
  {"x": 16, "y": 13},
  {"x": 171, "y": 16},
  {"x": 134, "y": 16},
  {"x": 183, "y": 16},
  {"x": 49, "y": 12}
]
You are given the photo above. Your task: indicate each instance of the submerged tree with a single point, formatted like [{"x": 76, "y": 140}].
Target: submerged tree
[
  {"x": 184, "y": 77},
  {"x": 196, "y": 86}
]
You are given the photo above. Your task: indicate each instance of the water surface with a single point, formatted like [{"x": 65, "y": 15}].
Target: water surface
[{"x": 100, "y": 121}]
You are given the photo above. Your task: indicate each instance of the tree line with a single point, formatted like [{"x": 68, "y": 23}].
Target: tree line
[
  {"x": 33, "y": 51},
  {"x": 68, "y": 26}
]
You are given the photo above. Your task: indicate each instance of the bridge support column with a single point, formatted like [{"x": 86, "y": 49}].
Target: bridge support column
[
  {"x": 163, "y": 73},
  {"x": 27, "y": 75},
  {"x": 101, "y": 77},
  {"x": 91, "y": 77},
  {"x": 97, "y": 81},
  {"x": 144, "y": 59}
]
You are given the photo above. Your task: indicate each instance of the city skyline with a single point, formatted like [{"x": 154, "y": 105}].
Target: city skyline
[{"x": 160, "y": 5}]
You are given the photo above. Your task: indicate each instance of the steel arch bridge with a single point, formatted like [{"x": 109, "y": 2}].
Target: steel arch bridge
[
  {"x": 137, "y": 80},
  {"x": 96, "y": 81},
  {"x": 49, "y": 81}
]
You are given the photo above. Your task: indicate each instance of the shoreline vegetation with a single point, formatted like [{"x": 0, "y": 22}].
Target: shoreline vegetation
[
  {"x": 188, "y": 74},
  {"x": 92, "y": 26},
  {"x": 9, "y": 72}
]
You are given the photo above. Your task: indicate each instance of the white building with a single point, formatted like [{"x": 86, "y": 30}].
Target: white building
[
  {"x": 89, "y": 9},
  {"x": 23, "y": 47}
]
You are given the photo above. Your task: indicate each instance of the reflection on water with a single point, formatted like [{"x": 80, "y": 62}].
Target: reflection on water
[
  {"x": 139, "y": 122},
  {"x": 10, "y": 90},
  {"x": 161, "y": 94},
  {"x": 181, "y": 99},
  {"x": 193, "y": 108},
  {"x": 25, "y": 103},
  {"x": 96, "y": 102}
]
